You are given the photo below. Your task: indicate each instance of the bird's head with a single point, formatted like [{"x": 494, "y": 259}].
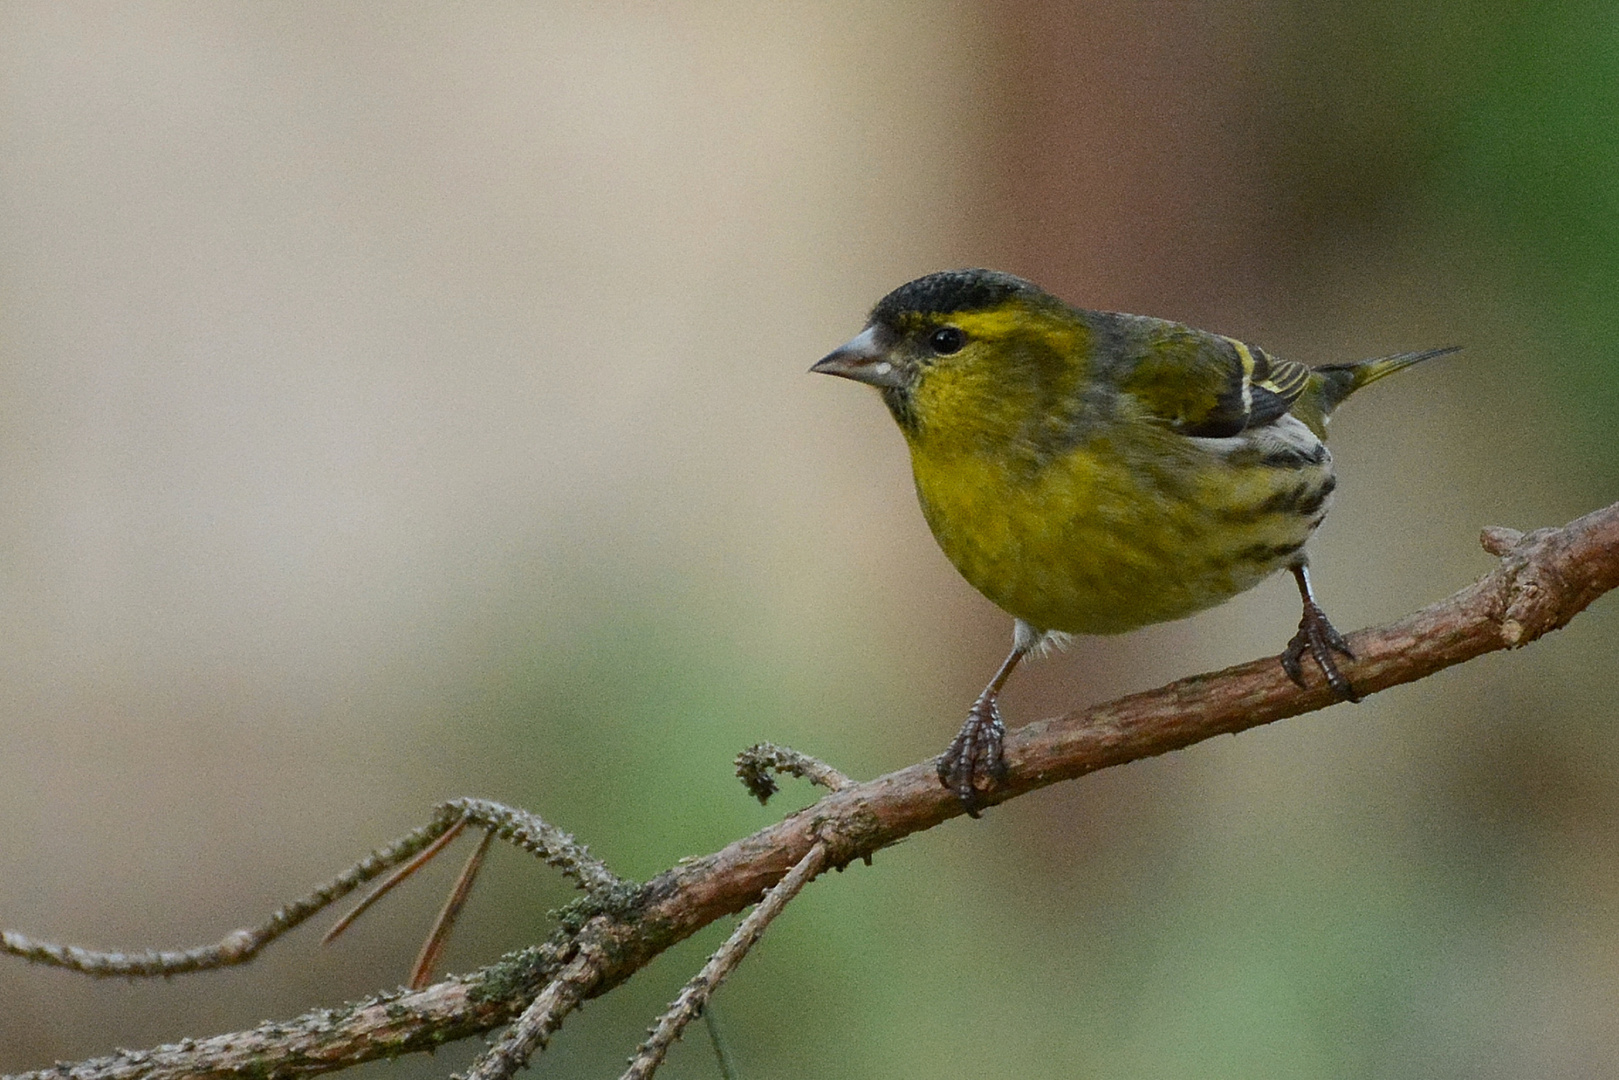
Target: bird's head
[{"x": 961, "y": 347}]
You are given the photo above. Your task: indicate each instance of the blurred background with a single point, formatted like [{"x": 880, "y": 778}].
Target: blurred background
[{"x": 404, "y": 401}]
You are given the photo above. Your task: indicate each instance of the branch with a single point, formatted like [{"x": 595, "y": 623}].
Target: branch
[
  {"x": 755, "y": 764},
  {"x": 518, "y": 827},
  {"x": 1542, "y": 580},
  {"x": 694, "y": 995},
  {"x": 541, "y": 1019},
  {"x": 239, "y": 946}
]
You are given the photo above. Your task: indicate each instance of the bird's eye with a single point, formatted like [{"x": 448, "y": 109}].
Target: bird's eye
[{"x": 947, "y": 339}]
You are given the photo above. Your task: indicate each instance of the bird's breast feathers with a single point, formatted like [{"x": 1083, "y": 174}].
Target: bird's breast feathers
[{"x": 1080, "y": 544}]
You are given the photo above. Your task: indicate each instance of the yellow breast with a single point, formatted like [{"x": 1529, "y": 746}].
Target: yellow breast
[{"x": 1112, "y": 535}]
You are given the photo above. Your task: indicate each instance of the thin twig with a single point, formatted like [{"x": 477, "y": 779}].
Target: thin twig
[
  {"x": 519, "y": 827},
  {"x": 537, "y": 837},
  {"x": 695, "y": 994},
  {"x": 542, "y": 1018},
  {"x": 755, "y": 764},
  {"x": 240, "y": 946}
]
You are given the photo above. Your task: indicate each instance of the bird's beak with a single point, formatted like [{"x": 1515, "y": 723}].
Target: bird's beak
[{"x": 865, "y": 359}]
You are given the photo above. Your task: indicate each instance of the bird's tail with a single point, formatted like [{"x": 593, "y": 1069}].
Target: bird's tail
[{"x": 1338, "y": 381}]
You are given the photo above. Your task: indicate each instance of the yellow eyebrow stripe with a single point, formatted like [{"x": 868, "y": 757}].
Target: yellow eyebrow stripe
[{"x": 995, "y": 323}]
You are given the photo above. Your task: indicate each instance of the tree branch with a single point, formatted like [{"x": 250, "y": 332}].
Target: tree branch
[
  {"x": 544, "y": 1015},
  {"x": 1542, "y": 581},
  {"x": 693, "y": 997}
]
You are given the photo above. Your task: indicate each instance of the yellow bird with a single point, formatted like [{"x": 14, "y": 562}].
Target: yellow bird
[{"x": 1092, "y": 472}]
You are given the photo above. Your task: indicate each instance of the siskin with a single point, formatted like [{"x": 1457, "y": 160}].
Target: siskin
[{"x": 1093, "y": 472}]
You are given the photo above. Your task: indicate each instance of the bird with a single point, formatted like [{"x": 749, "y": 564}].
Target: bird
[{"x": 1093, "y": 472}]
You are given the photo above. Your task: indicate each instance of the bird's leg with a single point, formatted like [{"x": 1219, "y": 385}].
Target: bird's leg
[
  {"x": 972, "y": 763},
  {"x": 1317, "y": 637}
]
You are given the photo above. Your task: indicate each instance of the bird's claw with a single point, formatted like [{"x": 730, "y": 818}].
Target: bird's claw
[
  {"x": 972, "y": 765},
  {"x": 1320, "y": 639}
]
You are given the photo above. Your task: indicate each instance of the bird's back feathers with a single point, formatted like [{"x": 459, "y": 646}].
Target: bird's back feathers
[{"x": 1208, "y": 385}]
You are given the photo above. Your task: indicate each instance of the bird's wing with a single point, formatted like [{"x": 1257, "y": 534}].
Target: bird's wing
[{"x": 1209, "y": 385}]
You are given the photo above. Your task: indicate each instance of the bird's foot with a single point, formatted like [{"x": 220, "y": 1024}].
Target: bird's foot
[
  {"x": 1318, "y": 637},
  {"x": 972, "y": 765}
]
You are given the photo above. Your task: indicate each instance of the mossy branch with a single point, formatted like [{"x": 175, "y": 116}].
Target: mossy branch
[{"x": 1543, "y": 579}]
